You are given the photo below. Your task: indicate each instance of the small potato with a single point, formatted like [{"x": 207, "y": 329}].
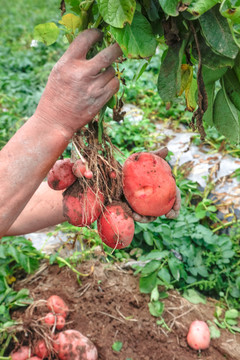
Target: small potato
[
  {"x": 50, "y": 319},
  {"x": 34, "y": 358},
  {"x": 79, "y": 168},
  {"x": 21, "y": 354},
  {"x": 198, "y": 337},
  {"x": 72, "y": 345},
  {"x": 41, "y": 350},
  {"x": 60, "y": 322},
  {"x": 61, "y": 176},
  {"x": 57, "y": 305}
]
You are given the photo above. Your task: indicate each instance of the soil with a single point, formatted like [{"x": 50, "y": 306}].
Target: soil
[{"x": 108, "y": 307}]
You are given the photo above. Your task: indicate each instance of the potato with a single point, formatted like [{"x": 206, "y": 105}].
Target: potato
[
  {"x": 79, "y": 168},
  {"x": 82, "y": 209},
  {"x": 49, "y": 319},
  {"x": 148, "y": 184},
  {"x": 198, "y": 337},
  {"x": 23, "y": 353},
  {"x": 116, "y": 226},
  {"x": 72, "y": 345},
  {"x": 61, "y": 176},
  {"x": 40, "y": 349},
  {"x": 60, "y": 322},
  {"x": 34, "y": 358},
  {"x": 57, "y": 305}
]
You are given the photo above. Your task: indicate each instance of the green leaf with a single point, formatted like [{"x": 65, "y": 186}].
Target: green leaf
[
  {"x": 232, "y": 87},
  {"x": 71, "y": 22},
  {"x": 231, "y": 10},
  {"x": 155, "y": 294},
  {"x": 46, "y": 33},
  {"x": 148, "y": 283},
  {"x": 148, "y": 237},
  {"x": 164, "y": 275},
  {"x": 169, "y": 79},
  {"x": 231, "y": 314},
  {"x": 212, "y": 75},
  {"x": 194, "y": 296},
  {"x": 117, "y": 346},
  {"x": 2, "y": 252},
  {"x": 217, "y": 33},
  {"x": 156, "y": 308},
  {"x": 170, "y": 7},
  {"x": 199, "y": 7},
  {"x": 226, "y": 117},
  {"x": 190, "y": 95},
  {"x": 208, "y": 115},
  {"x": 174, "y": 266},
  {"x": 214, "y": 332},
  {"x": 133, "y": 45},
  {"x": 150, "y": 267},
  {"x": 209, "y": 57},
  {"x": 117, "y": 12}
]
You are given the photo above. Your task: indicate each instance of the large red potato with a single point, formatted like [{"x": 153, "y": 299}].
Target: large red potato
[
  {"x": 57, "y": 305},
  {"x": 82, "y": 209},
  {"x": 198, "y": 337},
  {"x": 72, "y": 345},
  {"x": 61, "y": 176},
  {"x": 116, "y": 226},
  {"x": 148, "y": 184},
  {"x": 21, "y": 354}
]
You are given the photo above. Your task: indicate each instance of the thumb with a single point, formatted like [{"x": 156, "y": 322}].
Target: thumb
[{"x": 161, "y": 152}]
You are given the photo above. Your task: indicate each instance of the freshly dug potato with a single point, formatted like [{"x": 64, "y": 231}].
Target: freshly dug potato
[
  {"x": 72, "y": 345},
  {"x": 79, "y": 168},
  {"x": 49, "y": 319},
  {"x": 57, "y": 305},
  {"x": 148, "y": 184},
  {"x": 41, "y": 350},
  {"x": 116, "y": 226},
  {"x": 198, "y": 337},
  {"x": 21, "y": 354},
  {"x": 60, "y": 322},
  {"x": 34, "y": 358},
  {"x": 61, "y": 176},
  {"x": 82, "y": 209}
]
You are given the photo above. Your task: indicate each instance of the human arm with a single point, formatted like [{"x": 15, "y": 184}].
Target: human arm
[{"x": 75, "y": 92}]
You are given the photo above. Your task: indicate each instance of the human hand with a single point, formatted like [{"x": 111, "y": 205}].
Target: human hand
[
  {"x": 174, "y": 212},
  {"x": 78, "y": 88}
]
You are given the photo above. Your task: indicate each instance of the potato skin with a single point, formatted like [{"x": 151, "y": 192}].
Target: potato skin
[
  {"x": 82, "y": 209},
  {"x": 198, "y": 337},
  {"x": 148, "y": 184},
  {"x": 21, "y": 354},
  {"x": 71, "y": 344},
  {"x": 61, "y": 175},
  {"x": 116, "y": 227},
  {"x": 57, "y": 305}
]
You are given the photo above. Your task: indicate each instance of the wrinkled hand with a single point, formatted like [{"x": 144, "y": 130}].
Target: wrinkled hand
[
  {"x": 78, "y": 88},
  {"x": 174, "y": 212}
]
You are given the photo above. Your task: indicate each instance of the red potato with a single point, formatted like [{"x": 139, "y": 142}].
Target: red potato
[
  {"x": 72, "y": 345},
  {"x": 198, "y": 337},
  {"x": 61, "y": 176},
  {"x": 49, "y": 319},
  {"x": 41, "y": 350},
  {"x": 60, "y": 322},
  {"x": 21, "y": 354},
  {"x": 148, "y": 184},
  {"x": 79, "y": 168},
  {"x": 34, "y": 358},
  {"x": 116, "y": 226},
  {"x": 57, "y": 305},
  {"x": 112, "y": 175},
  {"x": 88, "y": 174},
  {"x": 82, "y": 209}
]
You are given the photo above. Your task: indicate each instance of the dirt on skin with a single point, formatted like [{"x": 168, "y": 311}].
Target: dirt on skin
[{"x": 107, "y": 307}]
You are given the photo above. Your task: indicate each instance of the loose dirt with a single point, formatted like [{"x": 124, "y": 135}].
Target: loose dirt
[{"x": 107, "y": 307}]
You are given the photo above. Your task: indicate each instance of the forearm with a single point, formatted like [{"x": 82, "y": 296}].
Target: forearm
[
  {"x": 24, "y": 163},
  {"x": 43, "y": 210}
]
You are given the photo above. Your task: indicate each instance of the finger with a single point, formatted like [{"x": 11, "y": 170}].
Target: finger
[
  {"x": 143, "y": 219},
  {"x": 82, "y": 44},
  {"x": 109, "y": 90},
  {"x": 105, "y": 57},
  {"x": 161, "y": 152},
  {"x": 172, "y": 214},
  {"x": 106, "y": 76},
  {"x": 177, "y": 204}
]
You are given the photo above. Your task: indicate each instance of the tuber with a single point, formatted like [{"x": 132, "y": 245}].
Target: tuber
[
  {"x": 61, "y": 176},
  {"x": 198, "y": 337}
]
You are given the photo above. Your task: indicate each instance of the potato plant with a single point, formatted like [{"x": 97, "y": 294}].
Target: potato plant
[{"x": 200, "y": 42}]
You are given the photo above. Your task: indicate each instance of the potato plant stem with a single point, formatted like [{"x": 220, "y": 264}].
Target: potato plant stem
[{"x": 60, "y": 259}]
